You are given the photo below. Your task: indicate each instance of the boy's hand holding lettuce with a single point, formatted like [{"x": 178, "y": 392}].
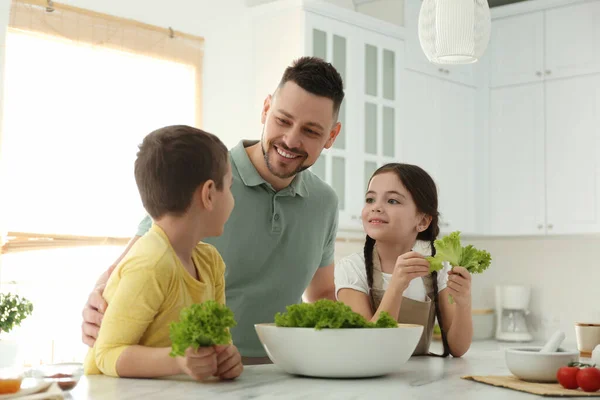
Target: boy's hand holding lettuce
[
  {"x": 328, "y": 314},
  {"x": 201, "y": 325},
  {"x": 449, "y": 249}
]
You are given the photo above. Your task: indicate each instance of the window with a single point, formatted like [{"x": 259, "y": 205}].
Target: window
[{"x": 81, "y": 90}]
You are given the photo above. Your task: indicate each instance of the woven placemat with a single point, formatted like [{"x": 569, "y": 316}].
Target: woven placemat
[{"x": 541, "y": 389}]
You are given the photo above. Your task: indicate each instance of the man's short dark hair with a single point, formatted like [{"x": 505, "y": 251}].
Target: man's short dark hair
[
  {"x": 172, "y": 162},
  {"x": 318, "y": 77}
]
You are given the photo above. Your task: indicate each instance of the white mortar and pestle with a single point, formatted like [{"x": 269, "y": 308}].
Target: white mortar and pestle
[
  {"x": 540, "y": 364},
  {"x": 596, "y": 356}
]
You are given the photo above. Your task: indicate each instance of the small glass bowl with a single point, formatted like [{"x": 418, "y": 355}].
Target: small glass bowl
[
  {"x": 10, "y": 380},
  {"x": 66, "y": 375}
]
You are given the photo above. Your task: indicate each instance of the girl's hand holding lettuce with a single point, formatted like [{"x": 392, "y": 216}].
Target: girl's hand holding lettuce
[
  {"x": 449, "y": 249},
  {"x": 328, "y": 314}
]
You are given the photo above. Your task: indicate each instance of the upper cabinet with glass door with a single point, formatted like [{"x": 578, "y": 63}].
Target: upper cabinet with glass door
[
  {"x": 379, "y": 97},
  {"x": 369, "y": 63},
  {"x": 332, "y": 41}
]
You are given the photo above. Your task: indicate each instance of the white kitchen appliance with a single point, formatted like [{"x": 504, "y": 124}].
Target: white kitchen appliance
[{"x": 512, "y": 304}]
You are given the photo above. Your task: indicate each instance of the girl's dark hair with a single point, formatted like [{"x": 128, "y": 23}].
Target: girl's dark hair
[{"x": 422, "y": 188}]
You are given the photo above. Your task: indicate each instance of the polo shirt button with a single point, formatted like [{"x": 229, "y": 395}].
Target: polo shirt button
[{"x": 276, "y": 216}]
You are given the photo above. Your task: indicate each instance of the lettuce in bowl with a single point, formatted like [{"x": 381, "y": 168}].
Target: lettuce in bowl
[{"x": 328, "y": 314}]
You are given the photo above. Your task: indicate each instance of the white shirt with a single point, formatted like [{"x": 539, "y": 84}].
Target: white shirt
[{"x": 350, "y": 273}]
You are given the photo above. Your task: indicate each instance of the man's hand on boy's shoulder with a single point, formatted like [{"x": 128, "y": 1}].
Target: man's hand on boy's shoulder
[
  {"x": 229, "y": 362},
  {"x": 94, "y": 309},
  {"x": 93, "y": 312}
]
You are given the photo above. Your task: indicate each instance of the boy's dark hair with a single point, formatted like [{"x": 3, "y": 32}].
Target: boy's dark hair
[
  {"x": 172, "y": 162},
  {"x": 318, "y": 77},
  {"x": 422, "y": 188}
]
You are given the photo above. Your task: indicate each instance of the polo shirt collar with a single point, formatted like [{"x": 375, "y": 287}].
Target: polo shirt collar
[{"x": 250, "y": 176}]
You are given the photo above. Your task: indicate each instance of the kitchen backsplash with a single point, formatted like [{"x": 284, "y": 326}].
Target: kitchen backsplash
[{"x": 563, "y": 273}]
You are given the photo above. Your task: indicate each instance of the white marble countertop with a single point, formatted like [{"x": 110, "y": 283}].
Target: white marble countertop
[{"x": 421, "y": 378}]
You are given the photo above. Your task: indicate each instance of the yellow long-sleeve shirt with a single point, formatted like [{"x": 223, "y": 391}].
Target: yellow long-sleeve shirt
[{"x": 146, "y": 292}]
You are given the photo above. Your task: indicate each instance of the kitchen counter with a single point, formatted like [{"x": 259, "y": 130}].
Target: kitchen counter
[{"x": 421, "y": 378}]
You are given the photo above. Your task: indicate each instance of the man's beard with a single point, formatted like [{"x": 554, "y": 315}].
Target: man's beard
[{"x": 270, "y": 167}]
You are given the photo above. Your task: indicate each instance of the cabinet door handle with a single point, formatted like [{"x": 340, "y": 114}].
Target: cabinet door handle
[
  {"x": 354, "y": 217},
  {"x": 540, "y": 226},
  {"x": 441, "y": 70},
  {"x": 548, "y": 72},
  {"x": 539, "y": 73},
  {"x": 444, "y": 224},
  {"x": 550, "y": 226},
  {"x": 447, "y": 72}
]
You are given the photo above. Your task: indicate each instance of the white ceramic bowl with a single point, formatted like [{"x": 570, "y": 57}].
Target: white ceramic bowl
[
  {"x": 528, "y": 364},
  {"x": 339, "y": 353}
]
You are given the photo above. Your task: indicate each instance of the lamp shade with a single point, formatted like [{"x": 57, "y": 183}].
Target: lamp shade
[{"x": 454, "y": 31}]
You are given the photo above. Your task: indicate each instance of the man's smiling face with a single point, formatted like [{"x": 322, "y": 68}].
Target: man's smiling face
[{"x": 297, "y": 127}]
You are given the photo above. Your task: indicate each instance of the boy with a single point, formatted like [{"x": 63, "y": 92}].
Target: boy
[{"x": 184, "y": 179}]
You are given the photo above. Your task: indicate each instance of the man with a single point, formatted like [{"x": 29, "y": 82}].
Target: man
[{"x": 278, "y": 244}]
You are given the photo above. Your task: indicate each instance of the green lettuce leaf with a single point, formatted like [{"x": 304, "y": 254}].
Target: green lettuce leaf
[
  {"x": 328, "y": 314},
  {"x": 449, "y": 249},
  {"x": 201, "y": 325},
  {"x": 476, "y": 261}
]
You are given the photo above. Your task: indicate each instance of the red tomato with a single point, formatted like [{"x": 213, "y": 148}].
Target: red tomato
[
  {"x": 567, "y": 377},
  {"x": 589, "y": 379}
]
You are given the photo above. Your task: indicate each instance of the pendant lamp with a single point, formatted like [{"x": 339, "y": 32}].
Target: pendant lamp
[{"x": 454, "y": 31}]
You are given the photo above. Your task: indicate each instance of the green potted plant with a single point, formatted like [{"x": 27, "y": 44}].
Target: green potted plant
[{"x": 13, "y": 310}]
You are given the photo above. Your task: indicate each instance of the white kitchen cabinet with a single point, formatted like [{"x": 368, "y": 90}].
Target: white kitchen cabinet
[
  {"x": 421, "y": 116},
  {"x": 369, "y": 61},
  {"x": 540, "y": 169},
  {"x": 573, "y": 155},
  {"x": 543, "y": 152},
  {"x": 543, "y": 45},
  {"x": 440, "y": 139},
  {"x": 515, "y": 161},
  {"x": 456, "y": 147},
  {"x": 572, "y": 40},
  {"x": 416, "y": 59},
  {"x": 516, "y": 50}
]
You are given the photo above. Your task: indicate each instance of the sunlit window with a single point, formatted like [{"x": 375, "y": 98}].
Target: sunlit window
[{"x": 74, "y": 114}]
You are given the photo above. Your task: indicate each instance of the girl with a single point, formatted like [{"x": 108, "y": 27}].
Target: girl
[{"x": 400, "y": 218}]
